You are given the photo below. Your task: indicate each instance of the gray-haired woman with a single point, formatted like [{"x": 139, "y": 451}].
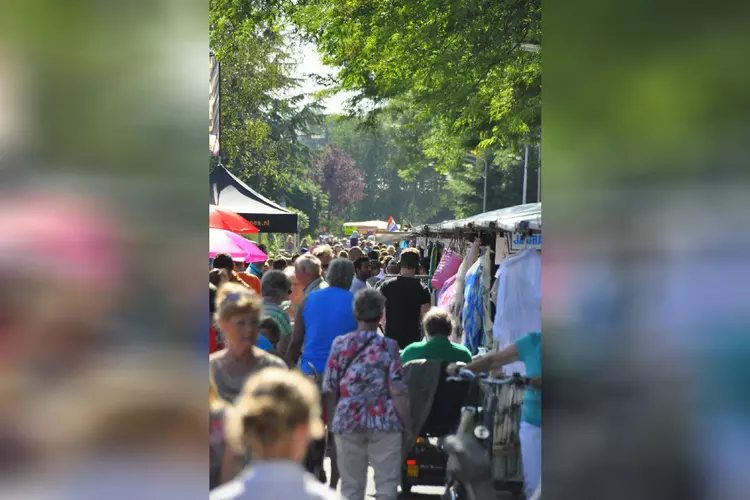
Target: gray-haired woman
[{"x": 363, "y": 382}]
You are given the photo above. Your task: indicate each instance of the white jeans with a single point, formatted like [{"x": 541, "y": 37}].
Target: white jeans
[
  {"x": 382, "y": 450},
  {"x": 531, "y": 456}
]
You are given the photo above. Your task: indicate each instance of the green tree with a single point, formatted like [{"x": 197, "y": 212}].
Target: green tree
[
  {"x": 461, "y": 65},
  {"x": 262, "y": 114},
  {"x": 304, "y": 221},
  {"x": 399, "y": 180}
]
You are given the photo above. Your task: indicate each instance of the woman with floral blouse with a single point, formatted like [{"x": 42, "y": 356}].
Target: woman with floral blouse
[{"x": 369, "y": 400}]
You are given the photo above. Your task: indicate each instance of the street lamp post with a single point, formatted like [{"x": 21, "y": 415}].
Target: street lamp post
[
  {"x": 525, "y": 173},
  {"x": 473, "y": 158},
  {"x": 539, "y": 173}
]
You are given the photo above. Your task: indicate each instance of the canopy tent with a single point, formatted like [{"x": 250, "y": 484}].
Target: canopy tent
[
  {"x": 527, "y": 217},
  {"x": 227, "y": 191},
  {"x": 392, "y": 236},
  {"x": 365, "y": 227}
]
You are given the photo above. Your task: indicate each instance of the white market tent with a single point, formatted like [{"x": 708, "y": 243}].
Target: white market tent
[
  {"x": 392, "y": 236},
  {"x": 366, "y": 226},
  {"x": 528, "y": 217}
]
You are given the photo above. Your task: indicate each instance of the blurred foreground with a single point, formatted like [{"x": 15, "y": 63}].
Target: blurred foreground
[
  {"x": 102, "y": 173},
  {"x": 646, "y": 274}
]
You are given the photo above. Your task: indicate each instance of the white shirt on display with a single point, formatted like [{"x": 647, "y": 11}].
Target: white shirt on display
[{"x": 519, "y": 298}]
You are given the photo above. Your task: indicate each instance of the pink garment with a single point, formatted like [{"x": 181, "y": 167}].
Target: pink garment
[
  {"x": 448, "y": 267},
  {"x": 448, "y": 297},
  {"x": 445, "y": 287}
]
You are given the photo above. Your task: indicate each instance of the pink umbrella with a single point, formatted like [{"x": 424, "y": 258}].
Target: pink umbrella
[{"x": 221, "y": 241}]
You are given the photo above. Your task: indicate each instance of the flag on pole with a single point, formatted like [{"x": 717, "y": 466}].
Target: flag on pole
[
  {"x": 214, "y": 105},
  {"x": 392, "y": 226}
]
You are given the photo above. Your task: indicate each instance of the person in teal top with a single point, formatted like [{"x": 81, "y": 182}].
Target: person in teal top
[
  {"x": 438, "y": 326},
  {"x": 527, "y": 349}
]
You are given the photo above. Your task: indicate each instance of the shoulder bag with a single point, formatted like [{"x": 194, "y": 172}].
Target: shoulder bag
[{"x": 350, "y": 361}]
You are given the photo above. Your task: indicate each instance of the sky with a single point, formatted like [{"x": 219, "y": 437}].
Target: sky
[{"x": 309, "y": 61}]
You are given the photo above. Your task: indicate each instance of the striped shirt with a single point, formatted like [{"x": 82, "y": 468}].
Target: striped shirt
[{"x": 279, "y": 315}]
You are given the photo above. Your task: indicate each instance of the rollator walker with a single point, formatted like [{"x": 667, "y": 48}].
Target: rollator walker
[{"x": 469, "y": 440}]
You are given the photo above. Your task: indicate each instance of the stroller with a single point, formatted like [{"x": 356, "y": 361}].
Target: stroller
[{"x": 426, "y": 463}]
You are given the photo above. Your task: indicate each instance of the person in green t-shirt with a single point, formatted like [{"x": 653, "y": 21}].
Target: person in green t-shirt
[{"x": 438, "y": 325}]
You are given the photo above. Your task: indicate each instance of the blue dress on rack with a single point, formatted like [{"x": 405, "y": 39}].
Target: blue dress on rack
[{"x": 473, "y": 311}]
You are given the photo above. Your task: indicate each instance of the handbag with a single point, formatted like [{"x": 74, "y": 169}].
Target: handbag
[
  {"x": 349, "y": 363},
  {"x": 447, "y": 268}
]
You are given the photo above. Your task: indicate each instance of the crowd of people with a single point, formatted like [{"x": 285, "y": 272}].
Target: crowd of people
[{"x": 307, "y": 361}]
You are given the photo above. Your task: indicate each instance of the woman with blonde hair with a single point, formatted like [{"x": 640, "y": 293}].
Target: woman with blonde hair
[
  {"x": 276, "y": 416},
  {"x": 238, "y": 314}
]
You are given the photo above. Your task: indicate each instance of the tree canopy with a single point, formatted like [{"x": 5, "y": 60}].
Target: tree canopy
[
  {"x": 432, "y": 81},
  {"x": 334, "y": 172},
  {"x": 462, "y": 66}
]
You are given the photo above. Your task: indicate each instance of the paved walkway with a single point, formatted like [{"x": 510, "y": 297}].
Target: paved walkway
[{"x": 418, "y": 492}]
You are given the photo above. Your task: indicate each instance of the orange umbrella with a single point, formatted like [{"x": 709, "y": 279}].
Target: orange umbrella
[{"x": 221, "y": 218}]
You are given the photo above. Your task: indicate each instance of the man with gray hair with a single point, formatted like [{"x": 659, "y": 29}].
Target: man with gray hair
[
  {"x": 308, "y": 270},
  {"x": 275, "y": 288},
  {"x": 324, "y": 254},
  {"x": 322, "y": 316}
]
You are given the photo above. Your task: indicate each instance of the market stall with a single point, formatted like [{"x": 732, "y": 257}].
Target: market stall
[
  {"x": 487, "y": 269},
  {"x": 391, "y": 237},
  {"x": 370, "y": 226},
  {"x": 227, "y": 191},
  {"x": 521, "y": 219},
  {"x": 469, "y": 256}
]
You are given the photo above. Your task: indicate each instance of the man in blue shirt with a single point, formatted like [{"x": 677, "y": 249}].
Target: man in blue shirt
[{"x": 322, "y": 316}]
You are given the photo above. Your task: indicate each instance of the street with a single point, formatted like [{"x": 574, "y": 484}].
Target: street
[{"x": 418, "y": 492}]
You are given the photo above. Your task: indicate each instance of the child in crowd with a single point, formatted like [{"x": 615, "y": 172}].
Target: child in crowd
[{"x": 270, "y": 330}]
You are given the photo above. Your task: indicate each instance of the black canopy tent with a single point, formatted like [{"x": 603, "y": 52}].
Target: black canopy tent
[{"x": 227, "y": 191}]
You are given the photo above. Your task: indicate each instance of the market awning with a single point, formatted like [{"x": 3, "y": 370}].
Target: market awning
[
  {"x": 505, "y": 219},
  {"x": 392, "y": 236},
  {"x": 227, "y": 191}
]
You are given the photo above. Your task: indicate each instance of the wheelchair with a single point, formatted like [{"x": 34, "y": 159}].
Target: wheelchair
[{"x": 426, "y": 464}]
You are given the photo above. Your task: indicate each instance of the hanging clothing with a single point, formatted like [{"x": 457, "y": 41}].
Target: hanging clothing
[
  {"x": 519, "y": 298},
  {"x": 443, "y": 302},
  {"x": 486, "y": 291},
  {"x": 435, "y": 255},
  {"x": 476, "y": 320},
  {"x": 458, "y": 303},
  {"x": 472, "y": 310}
]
